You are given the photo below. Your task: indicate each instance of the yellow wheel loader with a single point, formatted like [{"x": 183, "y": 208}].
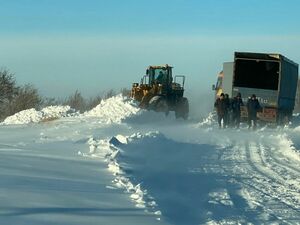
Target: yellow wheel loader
[{"x": 158, "y": 91}]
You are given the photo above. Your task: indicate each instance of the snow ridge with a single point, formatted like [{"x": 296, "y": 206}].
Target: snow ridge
[
  {"x": 114, "y": 110},
  {"x": 34, "y": 116},
  {"x": 110, "y": 150}
]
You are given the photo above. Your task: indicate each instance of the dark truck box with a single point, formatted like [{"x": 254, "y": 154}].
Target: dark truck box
[{"x": 272, "y": 78}]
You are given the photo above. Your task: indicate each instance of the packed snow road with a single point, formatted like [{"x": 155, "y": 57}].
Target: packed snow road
[{"x": 120, "y": 165}]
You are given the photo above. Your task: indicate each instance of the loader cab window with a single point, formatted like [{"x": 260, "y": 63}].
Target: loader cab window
[
  {"x": 160, "y": 76},
  {"x": 256, "y": 74}
]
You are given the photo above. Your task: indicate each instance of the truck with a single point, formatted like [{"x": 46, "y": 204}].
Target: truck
[
  {"x": 271, "y": 77},
  {"x": 297, "y": 104}
]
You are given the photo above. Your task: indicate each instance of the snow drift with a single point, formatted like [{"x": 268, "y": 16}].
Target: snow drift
[
  {"x": 156, "y": 170},
  {"x": 120, "y": 109},
  {"x": 117, "y": 109},
  {"x": 110, "y": 150},
  {"x": 114, "y": 110},
  {"x": 35, "y": 116}
]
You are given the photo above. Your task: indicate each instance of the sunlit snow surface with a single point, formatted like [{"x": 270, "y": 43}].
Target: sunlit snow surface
[
  {"x": 36, "y": 116},
  {"x": 117, "y": 164}
]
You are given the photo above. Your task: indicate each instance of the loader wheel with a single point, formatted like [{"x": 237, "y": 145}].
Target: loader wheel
[
  {"x": 144, "y": 104},
  {"x": 182, "y": 108},
  {"x": 159, "y": 104}
]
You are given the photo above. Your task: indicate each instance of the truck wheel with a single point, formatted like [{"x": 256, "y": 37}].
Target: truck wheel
[
  {"x": 290, "y": 116},
  {"x": 279, "y": 118},
  {"x": 182, "y": 108},
  {"x": 284, "y": 117}
]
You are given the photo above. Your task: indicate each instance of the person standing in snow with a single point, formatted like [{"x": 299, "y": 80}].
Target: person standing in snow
[
  {"x": 227, "y": 116},
  {"x": 220, "y": 106},
  {"x": 253, "y": 107},
  {"x": 236, "y": 104}
]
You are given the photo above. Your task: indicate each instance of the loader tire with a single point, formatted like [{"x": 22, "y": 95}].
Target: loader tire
[
  {"x": 159, "y": 104},
  {"x": 144, "y": 104},
  {"x": 182, "y": 108}
]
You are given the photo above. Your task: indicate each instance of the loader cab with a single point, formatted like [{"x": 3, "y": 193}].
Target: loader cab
[{"x": 160, "y": 75}]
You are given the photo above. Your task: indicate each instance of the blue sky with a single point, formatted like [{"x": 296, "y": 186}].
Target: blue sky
[{"x": 95, "y": 45}]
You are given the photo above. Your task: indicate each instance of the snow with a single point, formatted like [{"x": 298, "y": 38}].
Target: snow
[
  {"x": 114, "y": 110},
  {"x": 118, "y": 164},
  {"x": 24, "y": 117},
  {"x": 35, "y": 116},
  {"x": 110, "y": 149}
]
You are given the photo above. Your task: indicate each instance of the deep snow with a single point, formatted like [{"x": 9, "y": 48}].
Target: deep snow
[{"x": 118, "y": 164}]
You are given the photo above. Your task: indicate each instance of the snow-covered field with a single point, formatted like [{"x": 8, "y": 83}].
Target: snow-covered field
[{"x": 118, "y": 164}]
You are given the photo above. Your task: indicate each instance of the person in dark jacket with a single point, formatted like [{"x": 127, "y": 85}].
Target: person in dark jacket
[
  {"x": 227, "y": 115},
  {"x": 220, "y": 106},
  {"x": 236, "y": 104},
  {"x": 253, "y": 107}
]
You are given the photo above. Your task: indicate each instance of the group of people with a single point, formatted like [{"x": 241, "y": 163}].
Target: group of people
[{"x": 229, "y": 110}]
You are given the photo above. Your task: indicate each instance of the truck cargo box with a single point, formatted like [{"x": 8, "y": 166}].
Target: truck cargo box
[{"x": 271, "y": 77}]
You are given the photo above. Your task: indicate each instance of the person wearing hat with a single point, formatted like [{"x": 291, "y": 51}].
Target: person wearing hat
[
  {"x": 236, "y": 104},
  {"x": 253, "y": 107},
  {"x": 220, "y": 106}
]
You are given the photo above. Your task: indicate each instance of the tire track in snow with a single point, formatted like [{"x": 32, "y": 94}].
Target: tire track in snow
[
  {"x": 271, "y": 190},
  {"x": 263, "y": 182},
  {"x": 284, "y": 161},
  {"x": 288, "y": 176},
  {"x": 237, "y": 164},
  {"x": 286, "y": 164}
]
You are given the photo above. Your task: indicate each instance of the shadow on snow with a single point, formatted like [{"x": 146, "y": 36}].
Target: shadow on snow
[{"x": 181, "y": 178}]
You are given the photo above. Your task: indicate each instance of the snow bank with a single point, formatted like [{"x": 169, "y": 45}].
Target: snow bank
[
  {"x": 120, "y": 109},
  {"x": 35, "y": 116},
  {"x": 110, "y": 150},
  {"x": 114, "y": 110},
  {"x": 117, "y": 109},
  {"x": 24, "y": 117}
]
